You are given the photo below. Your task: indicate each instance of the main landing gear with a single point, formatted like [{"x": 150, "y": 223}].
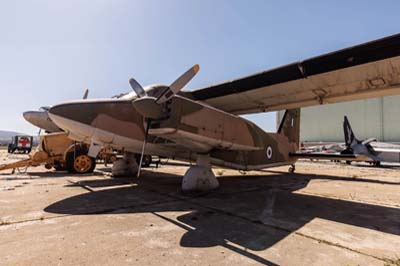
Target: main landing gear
[
  {"x": 126, "y": 166},
  {"x": 292, "y": 168},
  {"x": 200, "y": 177}
]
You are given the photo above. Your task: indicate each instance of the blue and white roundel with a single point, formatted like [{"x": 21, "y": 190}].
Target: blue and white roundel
[{"x": 269, "y": 152}]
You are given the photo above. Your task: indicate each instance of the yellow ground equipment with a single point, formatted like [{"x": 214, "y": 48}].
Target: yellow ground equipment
[{"x": 58, "y": 151}]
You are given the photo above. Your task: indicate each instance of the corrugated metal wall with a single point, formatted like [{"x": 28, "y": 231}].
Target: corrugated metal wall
[{"x": 379, "y": 117}]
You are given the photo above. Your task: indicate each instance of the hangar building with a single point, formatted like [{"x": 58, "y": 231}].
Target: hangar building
[{"x": 378, "y": 117}]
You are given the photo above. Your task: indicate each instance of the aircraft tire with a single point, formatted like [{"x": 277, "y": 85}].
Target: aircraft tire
[
  {"x": 147, "y": 160},
  {"x": 59, "y": 167}
]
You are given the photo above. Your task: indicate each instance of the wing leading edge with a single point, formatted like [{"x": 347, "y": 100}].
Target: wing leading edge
[{"x": 364, "y": 71}]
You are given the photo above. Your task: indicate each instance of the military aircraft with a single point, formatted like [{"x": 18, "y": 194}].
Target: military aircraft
[
  {"x": 204, "y": 125},
  {"x": 376, "y": 151},
  {"x": 42, "y": 120}
]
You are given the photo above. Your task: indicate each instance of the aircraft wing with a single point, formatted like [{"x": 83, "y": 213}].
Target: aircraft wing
[{"x": 364, "y": 71}]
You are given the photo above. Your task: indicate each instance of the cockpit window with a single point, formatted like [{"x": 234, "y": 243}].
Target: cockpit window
[
  {"x": 152, "y": 91},
  {"x": 126, "y": 96},
  {"x": 118, "y": 96},
  {"x": 44, "y": 108}
]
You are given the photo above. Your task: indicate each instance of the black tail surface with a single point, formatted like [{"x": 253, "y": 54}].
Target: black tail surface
[{"x": 349, "y": 137}]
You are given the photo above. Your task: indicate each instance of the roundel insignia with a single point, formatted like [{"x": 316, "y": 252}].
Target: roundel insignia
[{"x": 269, "y": 152}]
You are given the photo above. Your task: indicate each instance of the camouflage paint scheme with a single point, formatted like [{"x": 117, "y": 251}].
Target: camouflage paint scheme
[
  {"x": 205, "y": 121},
  {"x": 187, "y": 129}
]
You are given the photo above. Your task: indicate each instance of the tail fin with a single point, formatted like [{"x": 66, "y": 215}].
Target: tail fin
[
  {"x": 349, "y": 137},
  {"x": 290, "y": 126}
]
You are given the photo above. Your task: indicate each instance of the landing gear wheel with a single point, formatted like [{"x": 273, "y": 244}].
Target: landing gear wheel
[
  {"x": 81, "y": 164},
  {"x": 292, "y": 168},
  {"x": 376, "y": 163},
  {"x": 59, "y": 166},
  {"x": 112, "y": 159},
  {"x": 147, "y": 160}
]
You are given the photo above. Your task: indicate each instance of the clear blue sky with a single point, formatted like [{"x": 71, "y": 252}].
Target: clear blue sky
[{"x": 50, "y": 51}]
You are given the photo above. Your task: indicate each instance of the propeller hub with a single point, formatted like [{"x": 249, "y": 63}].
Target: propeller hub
[{"x": 148, "y": 107}]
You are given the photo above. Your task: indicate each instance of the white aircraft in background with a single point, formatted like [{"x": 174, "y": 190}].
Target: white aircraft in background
[{"x": 376, "y": 151}]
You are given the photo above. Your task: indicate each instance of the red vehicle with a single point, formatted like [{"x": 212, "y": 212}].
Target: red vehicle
[{"x": 22, "y": 144}]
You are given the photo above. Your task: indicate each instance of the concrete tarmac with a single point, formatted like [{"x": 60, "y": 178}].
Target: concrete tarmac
[{"x": 324, "y": 214}]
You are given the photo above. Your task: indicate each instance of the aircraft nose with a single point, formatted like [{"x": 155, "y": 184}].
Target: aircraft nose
[
  {"x": 28, "y": 116},
  {"x": 34, "y": 117},
  {"x": 57, "y": 110},
  {"x": 73, "y": 118},
  {"x": 62, "y": 115}
]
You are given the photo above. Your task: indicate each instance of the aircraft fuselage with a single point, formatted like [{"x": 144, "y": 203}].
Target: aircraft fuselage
[{"x": 188, "y": 129}]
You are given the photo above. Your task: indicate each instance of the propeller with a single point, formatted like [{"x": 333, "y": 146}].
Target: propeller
[
  {"x": 178, "y": 84},
  {"x": 151, "y": 107},
  {"x": 137, "y": 88}
]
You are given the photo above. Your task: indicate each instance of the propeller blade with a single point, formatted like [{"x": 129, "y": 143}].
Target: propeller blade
[
  {"x": 137, "y": 88},
  {"x": 143, "y": 147},
  {"x": 178, "y": 84},
  {"x": 85, "y": 94}
]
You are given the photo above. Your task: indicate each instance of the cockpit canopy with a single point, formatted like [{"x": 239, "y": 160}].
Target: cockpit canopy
[
  {"x": 44, "y": 108},
  {"x": 151, "y": 90}
]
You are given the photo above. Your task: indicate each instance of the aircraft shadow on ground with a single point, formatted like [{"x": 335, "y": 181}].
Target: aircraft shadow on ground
[
  {"x": 254, "y": 212},
  {"x": 47, "y": 174}
]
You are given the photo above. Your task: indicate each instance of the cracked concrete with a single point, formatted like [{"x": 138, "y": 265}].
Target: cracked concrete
[{"x": 325, "y": 214}]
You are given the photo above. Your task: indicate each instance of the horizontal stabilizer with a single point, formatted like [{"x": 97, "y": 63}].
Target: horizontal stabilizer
[
  {"x": 330, "y": 156},
  {"x": 368, "y": 141}
]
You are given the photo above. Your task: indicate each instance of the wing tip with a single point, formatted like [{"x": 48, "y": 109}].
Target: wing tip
[{"x": 196, "y": 68}]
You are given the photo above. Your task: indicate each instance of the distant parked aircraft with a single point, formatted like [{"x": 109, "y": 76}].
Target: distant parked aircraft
[{"x": 377, "y": 151}]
